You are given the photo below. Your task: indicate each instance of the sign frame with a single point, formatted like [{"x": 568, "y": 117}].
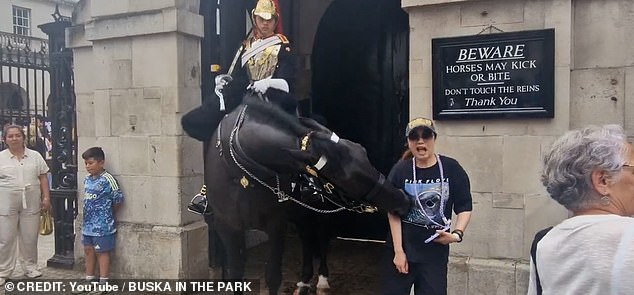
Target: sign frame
[{"x": 524, "y": 73}]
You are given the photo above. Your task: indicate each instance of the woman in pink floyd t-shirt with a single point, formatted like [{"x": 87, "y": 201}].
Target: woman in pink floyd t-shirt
[{"x": 418, "y": 244}]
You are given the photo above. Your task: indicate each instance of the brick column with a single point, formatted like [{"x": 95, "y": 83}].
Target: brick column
[{"x": 137, "y": 70}]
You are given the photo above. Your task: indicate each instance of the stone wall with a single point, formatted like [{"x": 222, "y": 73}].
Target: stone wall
[
  {"x": 602, "y": 71},
  {"x": 137, "y": 70},
  {"x": 594, "y": 55}
]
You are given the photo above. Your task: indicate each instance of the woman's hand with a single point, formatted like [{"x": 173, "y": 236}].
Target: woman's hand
[
  {"x": 400, "y": 261},
  {"x": 445, "y": 238},
  {"x": 46, "y": 204}
]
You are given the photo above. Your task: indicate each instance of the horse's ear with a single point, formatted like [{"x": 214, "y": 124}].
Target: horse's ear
[{"x": 302, "y": 156}]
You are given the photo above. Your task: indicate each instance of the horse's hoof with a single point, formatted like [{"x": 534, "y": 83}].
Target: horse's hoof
[
  {"x": 301, "y": 291},
  {"x": 322, "y": 282},
  {"x": 302, "y": 288}
]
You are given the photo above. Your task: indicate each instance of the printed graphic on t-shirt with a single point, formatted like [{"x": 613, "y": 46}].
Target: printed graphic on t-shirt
[
  {"x": 100, "y": 194},
  {"x": 428, "y": 208}
]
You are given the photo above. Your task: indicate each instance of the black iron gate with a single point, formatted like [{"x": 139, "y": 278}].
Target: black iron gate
[
  {"x": 24, "y": 86},
  {"x": 61, "y": 106},
  {"x": 36, "y": 92}
]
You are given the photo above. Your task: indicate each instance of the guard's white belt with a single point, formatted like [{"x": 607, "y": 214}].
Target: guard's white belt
[{"x": 259, "y": 47}]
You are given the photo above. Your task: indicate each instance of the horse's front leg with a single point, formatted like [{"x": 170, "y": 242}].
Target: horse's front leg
[
  {"x": 308, "y": 238},
  {"x": 276, "y": 231},
  {"x": 234, "y": 246},
  {"x": 325, "y": 234}
]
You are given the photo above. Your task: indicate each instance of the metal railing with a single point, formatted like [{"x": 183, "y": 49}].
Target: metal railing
[{"x": 24, "y": 50}]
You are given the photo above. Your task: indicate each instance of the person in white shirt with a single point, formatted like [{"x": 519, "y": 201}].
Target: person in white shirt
[
  {"x": 590, "y": 172},
  {"x": 24, "y": 192}
]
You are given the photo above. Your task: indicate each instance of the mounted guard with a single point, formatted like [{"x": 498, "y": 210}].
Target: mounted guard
[
  {"x": 262, "y": 155},
  {"x": 266, "y": 70},
  {"x": 266, "y": 67}
]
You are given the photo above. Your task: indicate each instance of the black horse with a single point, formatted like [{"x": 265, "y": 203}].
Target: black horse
[{"x": 257, "y": 151}]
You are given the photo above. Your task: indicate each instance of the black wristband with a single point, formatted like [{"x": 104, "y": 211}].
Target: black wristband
[{"x": 459, "y": 233}]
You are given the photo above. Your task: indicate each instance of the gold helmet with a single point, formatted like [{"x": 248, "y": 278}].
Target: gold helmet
[{"x": 265, "y": 9}]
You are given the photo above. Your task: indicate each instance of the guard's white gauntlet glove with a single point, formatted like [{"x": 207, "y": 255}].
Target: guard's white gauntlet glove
[
  {"x": 222, "y": 80},
  {"x": 263, "y": 85}
]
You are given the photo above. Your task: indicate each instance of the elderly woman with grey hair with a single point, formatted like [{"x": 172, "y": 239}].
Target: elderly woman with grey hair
[{"x": 590, "y": 172}]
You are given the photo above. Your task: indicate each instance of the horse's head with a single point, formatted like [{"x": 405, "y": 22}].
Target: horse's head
[
  {"x": 271, "y": 137},
  {"x": 345, "y": 165}
]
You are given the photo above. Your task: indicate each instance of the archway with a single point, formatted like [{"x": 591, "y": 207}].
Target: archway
[
  {"x": 359, "y": 84},
  {"x": 12, "y": 96}
]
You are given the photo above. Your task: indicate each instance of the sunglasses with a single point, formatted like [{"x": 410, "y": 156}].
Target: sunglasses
[{"x": 425, "y": 134}]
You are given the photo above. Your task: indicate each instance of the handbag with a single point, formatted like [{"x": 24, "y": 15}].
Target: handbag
[{"x": 46, "y": 223}]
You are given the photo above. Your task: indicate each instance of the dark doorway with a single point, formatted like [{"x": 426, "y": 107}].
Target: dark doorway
[
  {"x": 360, "y": 85},
  {"x": 359, "y": 76}
]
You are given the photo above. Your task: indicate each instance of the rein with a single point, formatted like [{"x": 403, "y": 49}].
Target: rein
[
  {"x": 329, "y": 187},
  {"x": 281, "y": 195},
  {"x": 377, "y": 187},
  {"x": 315, "y": 185}
]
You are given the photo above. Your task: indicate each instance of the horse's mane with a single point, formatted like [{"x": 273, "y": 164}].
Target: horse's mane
[{"x": 271, "y": 114}]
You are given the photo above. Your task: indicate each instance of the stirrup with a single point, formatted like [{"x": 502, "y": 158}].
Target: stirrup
[{"x": 199, "y": 204}]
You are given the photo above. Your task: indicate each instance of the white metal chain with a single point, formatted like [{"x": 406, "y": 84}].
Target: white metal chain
[{"x": 281, "y": 195}]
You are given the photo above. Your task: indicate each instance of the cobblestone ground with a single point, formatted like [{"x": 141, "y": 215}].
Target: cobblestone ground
[{"x": 353, "y": 266}]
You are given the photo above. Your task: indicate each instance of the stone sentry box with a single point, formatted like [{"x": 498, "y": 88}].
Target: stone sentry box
[{"x": 501, "y": 75}]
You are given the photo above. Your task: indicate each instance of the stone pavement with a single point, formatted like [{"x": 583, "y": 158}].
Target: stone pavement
[
  {"x": 46, "y": 250},
  {"x": 353, "y": 266}
]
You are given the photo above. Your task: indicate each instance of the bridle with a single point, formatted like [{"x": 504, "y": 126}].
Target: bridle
[
  {"x": 305, "y": 143},
  {"x": 310, "y": 180},
  {"x": 312, "y": 170},
  {"x": 281, "y": 195}
]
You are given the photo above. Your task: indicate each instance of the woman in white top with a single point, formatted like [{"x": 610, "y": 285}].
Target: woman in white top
[
  {"x": 590, "y": 172},
  {"x": 23, "y": 193}
]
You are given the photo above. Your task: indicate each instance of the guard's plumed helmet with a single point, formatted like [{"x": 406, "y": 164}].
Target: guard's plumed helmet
[{"x": 265, "y": 9}]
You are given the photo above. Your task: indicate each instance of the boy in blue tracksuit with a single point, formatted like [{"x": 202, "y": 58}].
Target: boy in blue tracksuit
[{"x": 102, "y": 198}]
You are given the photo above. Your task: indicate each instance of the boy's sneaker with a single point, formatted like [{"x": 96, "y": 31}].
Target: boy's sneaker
[{"x": 32, "y": 274}]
